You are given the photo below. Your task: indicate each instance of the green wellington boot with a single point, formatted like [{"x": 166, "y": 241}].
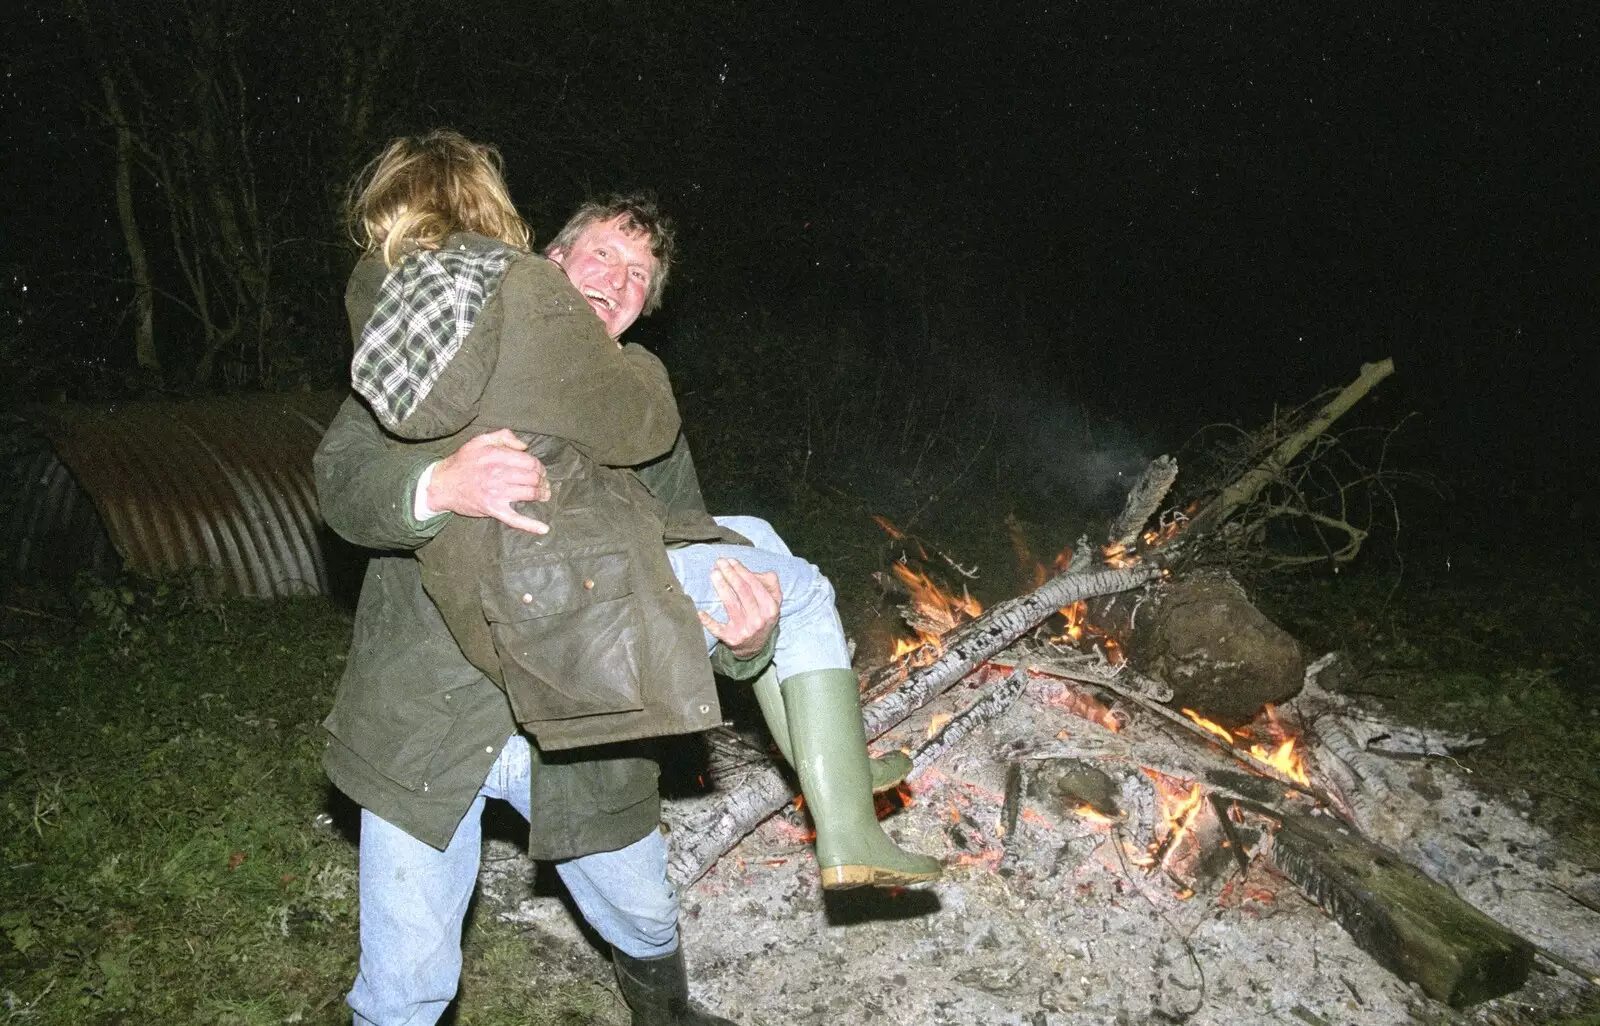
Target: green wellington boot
[
  {"x": 830, "y": 755},
  {"x": 888, "y": 770},
  {"x": 657, "y": 991}
]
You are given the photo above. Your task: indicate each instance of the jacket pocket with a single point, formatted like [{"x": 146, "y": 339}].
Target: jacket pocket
[{"x": 566, "y": 629}]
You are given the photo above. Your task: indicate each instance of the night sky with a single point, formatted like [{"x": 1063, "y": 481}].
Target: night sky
[{"x": 1184, "y": 212}]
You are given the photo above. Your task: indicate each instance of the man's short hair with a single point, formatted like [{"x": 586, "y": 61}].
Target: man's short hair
[{"x": 641, "y": 215}]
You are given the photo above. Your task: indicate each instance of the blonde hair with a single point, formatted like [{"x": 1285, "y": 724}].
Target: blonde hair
[{"x": 422, "y": 189}]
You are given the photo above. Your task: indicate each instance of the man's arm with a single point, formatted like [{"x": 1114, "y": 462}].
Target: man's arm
[{"x": 368, "y": 490}]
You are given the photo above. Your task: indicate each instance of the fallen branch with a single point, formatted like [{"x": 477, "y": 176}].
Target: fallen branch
[
  {"x": 1243, "y": 490},
  {"x": 972, "y": 643}
]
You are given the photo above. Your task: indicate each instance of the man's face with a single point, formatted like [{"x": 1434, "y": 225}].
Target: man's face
[{"x": 612, "y": 269}]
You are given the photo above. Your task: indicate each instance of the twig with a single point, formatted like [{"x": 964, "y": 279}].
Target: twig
[
  {"x": 35, "y": 612},
  {"x": 1244, "y": 488}
]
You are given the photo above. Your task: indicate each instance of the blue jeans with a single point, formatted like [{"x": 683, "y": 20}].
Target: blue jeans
[
  {"x": 810, "y": 636},
  {"x": 414, "y": 898}
]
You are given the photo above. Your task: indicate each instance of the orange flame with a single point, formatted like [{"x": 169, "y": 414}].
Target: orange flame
[
  {"x": 938, "y": 608},
  {"x": 937, "y": 723},
  {"x": 1282, "y": 757},
  {"x": 1078, "y": 628},
  {"x": 888, "y": 528},
  {"x": 1285, "y": 760},
  {"x": 1215, "y": 728},
  {"x": 1178, "y": 801}
]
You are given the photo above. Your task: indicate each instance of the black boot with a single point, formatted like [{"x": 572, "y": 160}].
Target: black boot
[{"x": 657, "y": 991}]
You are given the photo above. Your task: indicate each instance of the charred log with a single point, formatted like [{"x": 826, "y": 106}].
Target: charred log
[{"x": 1414, "y": 927}]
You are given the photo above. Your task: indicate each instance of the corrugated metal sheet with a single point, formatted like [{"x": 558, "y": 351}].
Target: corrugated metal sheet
[
  {"x": 55, "y": 529},
  {"x": 221, "y": 486}
]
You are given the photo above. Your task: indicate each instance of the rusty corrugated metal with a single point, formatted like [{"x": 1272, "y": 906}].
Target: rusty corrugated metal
[
  {"x": 222, "y": 486},
  {"x": 55, "y": 530}
]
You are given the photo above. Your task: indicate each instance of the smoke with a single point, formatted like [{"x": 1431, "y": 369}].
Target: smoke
[{"x": 1067, "y": 452}]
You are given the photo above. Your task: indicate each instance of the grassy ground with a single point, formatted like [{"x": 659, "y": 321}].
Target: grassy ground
[{"x": 164, "y": 860}]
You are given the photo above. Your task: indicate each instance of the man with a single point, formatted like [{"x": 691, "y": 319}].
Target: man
[{"x": 419, "y": 738}]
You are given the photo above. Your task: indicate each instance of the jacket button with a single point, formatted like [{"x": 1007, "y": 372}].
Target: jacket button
[
  {"x": 526, "y": 598},
  {"x": 704, "y": 709},
  {"x": 589, "y": 585}
]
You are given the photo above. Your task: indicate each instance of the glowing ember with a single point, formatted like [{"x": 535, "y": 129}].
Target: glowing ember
[
  {"x": 791, "y": 833},
  {"x": 989, "y": 859},
  {"x": 1085, "y": 707},
  {"x": 1091, "y": 814},
  {"x": 888, "y": 528}
]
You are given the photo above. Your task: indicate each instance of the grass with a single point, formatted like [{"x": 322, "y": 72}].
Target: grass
[
  {"x": 167, "y": 853},
  {"x": 164, "y": 860}
]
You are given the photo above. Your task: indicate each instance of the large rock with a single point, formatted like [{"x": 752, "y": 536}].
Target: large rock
[{"x": 1221, "y": 656}]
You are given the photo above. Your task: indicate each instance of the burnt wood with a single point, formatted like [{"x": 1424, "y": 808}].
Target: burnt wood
[{"x": 1416, "y": 928}]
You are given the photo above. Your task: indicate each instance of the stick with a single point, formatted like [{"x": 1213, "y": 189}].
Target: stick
[{"x": 985, "y": 710}]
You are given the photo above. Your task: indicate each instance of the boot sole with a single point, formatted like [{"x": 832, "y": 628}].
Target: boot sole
[{"x": 841, "y": 878}]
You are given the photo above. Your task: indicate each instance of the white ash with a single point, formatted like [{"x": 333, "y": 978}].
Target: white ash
[{"x": 1076, "y": 934}]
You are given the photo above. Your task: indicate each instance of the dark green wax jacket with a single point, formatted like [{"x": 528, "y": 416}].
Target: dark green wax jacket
[
  {"x": 415, "y": 727},
  {"x": 586, "y": 627}
]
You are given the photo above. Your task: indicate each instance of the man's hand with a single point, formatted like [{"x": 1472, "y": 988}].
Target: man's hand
[
  {"x": 752, "y": 602},
  {"x": 485, "y": 476}
]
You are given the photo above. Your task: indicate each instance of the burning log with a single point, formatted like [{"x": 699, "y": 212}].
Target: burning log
[
  {"x": 1144, "y": 498},
  {"x": 705, "y": 830},
  {"x": 1414, "y": 927}
]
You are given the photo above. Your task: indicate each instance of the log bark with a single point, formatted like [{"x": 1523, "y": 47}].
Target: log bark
[
  {"x": 704, "y": 831},
  {"x": 1144, "y": 498},
  {"x": 1416, "y": 928}
]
